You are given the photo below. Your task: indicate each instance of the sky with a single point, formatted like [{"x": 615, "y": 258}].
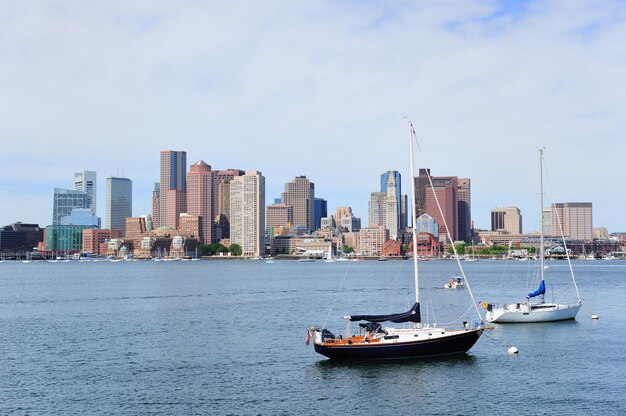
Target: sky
[{"x": 317, "y": 88}]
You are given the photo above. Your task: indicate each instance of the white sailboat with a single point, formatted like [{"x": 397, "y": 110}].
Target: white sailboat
[
  {"x": 534, "y": 308},
  {"x": 373, "y": 341}
]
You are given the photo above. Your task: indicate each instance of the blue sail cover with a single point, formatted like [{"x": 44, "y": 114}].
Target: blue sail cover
[
  {"x": 412, "y": 315},
  {"x": 540, "y": 290}
]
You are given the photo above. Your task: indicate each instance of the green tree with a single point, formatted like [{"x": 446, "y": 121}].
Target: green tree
[
  {"x": 204, "y": 250},
  {"x": 347, "y": 249},
  {"x": 235, "y": 249}
]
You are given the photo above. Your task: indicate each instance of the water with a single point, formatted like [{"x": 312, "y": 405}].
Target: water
[{"x": 227, "y": 337}]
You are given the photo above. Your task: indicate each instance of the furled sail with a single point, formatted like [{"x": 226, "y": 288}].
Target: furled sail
[
  {"x": 412, "y": 315},
  {"x": 540, "y": 290}
]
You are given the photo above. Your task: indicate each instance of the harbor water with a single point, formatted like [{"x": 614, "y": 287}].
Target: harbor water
[{"x": 228, "y": 337}]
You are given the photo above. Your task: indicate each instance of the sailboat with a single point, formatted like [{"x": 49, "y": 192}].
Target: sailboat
[
  {"x": 534, "y": 308},
  {"x": 373, "y": 341}
]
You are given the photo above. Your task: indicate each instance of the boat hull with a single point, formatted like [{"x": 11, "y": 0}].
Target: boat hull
[
  {"x": 552, "y": 314},
  {"x": 458, "y": 343}
]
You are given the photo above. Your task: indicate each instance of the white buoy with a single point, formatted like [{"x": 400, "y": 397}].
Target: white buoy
[
  {"x": 594, "y": 316},
  {"x": 512, "y": 350}
]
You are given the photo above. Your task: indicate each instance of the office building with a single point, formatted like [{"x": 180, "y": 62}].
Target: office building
[
  {"x": 221, "y": 201},
  {"x": 300, "y": 194},
  {"x": 372, "y": 239},
  {"x": 506, "y": 219},
  {"x": 119, "y": 202},
  {"x": 321, "y": 210},
  {"x": 156, "y": 205},
  {"x": 341, "y": 212},
  {"x": 575, "y": 219},
  {"x": 278, "y": 215},
  {"x": 191, "y": 226},
  {"x": 443, "y": 190},
  {"x": 464, "y": 211},
  {"x": 376, "y": 208},
  {"x": 81, "y": 216},
  {"x": 350, "y": 223},
  {"x": 94, "y": 238},
  {"x": 65, "y": 237},
  {"x": 247, "y": 213},
  {"x": 65, "y": 200},
  {"x": 85, "y": 181},
  {"x": 427, "y": 224},
  {"x": 20, "y": 238},
  {"x": 172, "y": 187},
  {"x": 200, "y": 198}
]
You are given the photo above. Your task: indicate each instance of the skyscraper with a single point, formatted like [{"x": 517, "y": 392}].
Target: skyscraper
[
  {"x": 376, "y": 209},
  {"x": 444, "y": 190},
  {"x": 173, "y": 187},
  {"x": 321, "y": 210},
  {"x": 300, "y": 194},
  {"x": 392, "y": 208},
  {"x": 464, "y": 200},
  {"x": 200, "y": 197},
  {"x": 247, "y": 213},
  {"x": 221, "y": 201},
  {"x": 65, "y": 200},
  {"x": 86, "y": 181},
  {"x": 119, "y": 202},
  {"x": 397, "y": 182}
]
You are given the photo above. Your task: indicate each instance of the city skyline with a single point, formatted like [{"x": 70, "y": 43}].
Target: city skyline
[{"x": 484, "y": 83}]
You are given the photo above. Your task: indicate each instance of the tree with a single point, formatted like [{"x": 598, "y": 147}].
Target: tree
[
  {"x": 204, "y": 250},
  {"x": 235, "y": 249},
  {"x": 347, "y": 249}
]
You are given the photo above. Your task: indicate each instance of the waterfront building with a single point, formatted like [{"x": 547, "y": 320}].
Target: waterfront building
[
  {"x": 427, "y": 224},
  {"x": 65, "y": 200},
  {"x": 420, "y": 182},
  {"x": 191, "y": 226},
  {"x": 278, "y": 216},
  {"x": 221, "y": 202},
  {"x": 81, "y": 216},
  {"x": 371, "y": 240},
  {"x": 247, "y": 213},
  {"x": 508, "y": 219},
  {"x": 200, "y": 198},
  {"x": 18, "y": 237},
  {"x": 321, "y": 210},
  {"x": 94, "y": 239},
  {"x": 119, "y": 202},
  {"x": 172, "y": 187},
  {"x": 300, "y": 194},
  {"x": 136, "y": 228},
  {"x": 306, "y": 246},
  {"x": 575, "y": 219},
  {"x": 86, "y": 181},
  {"x": 65, "y": 237}
]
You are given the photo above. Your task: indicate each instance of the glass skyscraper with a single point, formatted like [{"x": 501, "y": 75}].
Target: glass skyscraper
[{"x": 119, "y": 202}]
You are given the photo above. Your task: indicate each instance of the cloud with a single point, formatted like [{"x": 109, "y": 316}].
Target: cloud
[{"x": 317, "y": 89}]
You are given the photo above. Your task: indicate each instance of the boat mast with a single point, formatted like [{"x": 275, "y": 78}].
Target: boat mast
[
  {"x": 541, "y": 248},
  {"x": 413, "y": 211}
]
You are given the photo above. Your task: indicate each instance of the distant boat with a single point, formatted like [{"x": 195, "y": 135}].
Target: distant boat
[
  {"x": 373, "y": 341},
  {"x": 306, "y": 260},
  {"x": 540, "y": 310},
  {"x": 456, "y": 282}
]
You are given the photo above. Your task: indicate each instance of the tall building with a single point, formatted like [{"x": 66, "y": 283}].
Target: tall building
[
  {"x": 200, "y": 197},
  {"x": 278, "y": 215},
  {"x": 392, "y": 206},
  {"x": 247, "y": 213},
  {"x": 119, "y": 202},
  {"x": 81, "y": 216},
  {"x": 444, "y": 190},
  {"x": 427, "y": 224},
  {"x": 156, "y": 204},
  {"x": 397, "y": 185},
  {"x": 321, "y": 210},
  {"x": 65, "y": 200},
  {"x": 404, "y": 211},
  {"x": 300, "y": 194},
  {"x": 352, "y": 224},
  {"x": 221, "y": 201},
  {"x": 86, "y": 181},
  {"x": 546, "y": 214},
  {"x": 341, "y": 212},
  {"x": 190, "y": 226},
  {"x": 420, "y": 182},
  {"x": 20, "y": 237},
  {"x": 172, "y": 187},
  {"x": 508, "y": 219},
  {"x": 93, "y": 239},
  {"x": 464, "y": 210},
  {"x": 575, "y": 218},
  {"x": 376, "y": 209}
]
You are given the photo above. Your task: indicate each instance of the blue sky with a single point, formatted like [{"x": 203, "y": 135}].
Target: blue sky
[{"x": 317, "y": 89}]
